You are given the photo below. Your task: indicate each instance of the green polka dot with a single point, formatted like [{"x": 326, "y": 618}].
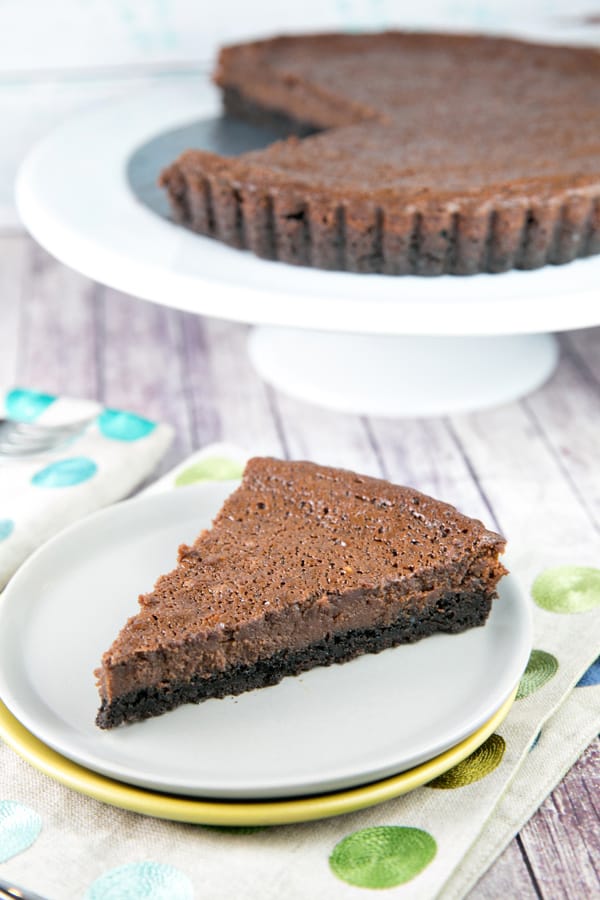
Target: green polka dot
[
  {"x": 7, "y": 526},
  {"x": 124, "y": 426},
  {"x": 567, "y": 589},
  {"x": 19, "y": 828},
  {"x": 142, "y": 881},
  {"x": 541, "y": 668},
  {"x": 212, "y": 468},
  {"x": 475, "y": 767},
  {"x": 26, "y": 406},
  {"x": 382, "y": 857},
  {"x": 65, "y": 473}
]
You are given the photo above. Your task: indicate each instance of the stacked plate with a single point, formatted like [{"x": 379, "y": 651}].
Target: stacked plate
[{"x": 327, "y": 742}]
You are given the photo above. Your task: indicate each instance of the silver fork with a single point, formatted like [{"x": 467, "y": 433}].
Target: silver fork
[
  {"x": 12, "y": 892},
  {"x": 19, "y": 439}
]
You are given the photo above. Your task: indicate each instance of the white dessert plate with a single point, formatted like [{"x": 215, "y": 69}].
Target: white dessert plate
[
  {"x": 239, "y": 812},
  {"x": 326, "y": 730}
]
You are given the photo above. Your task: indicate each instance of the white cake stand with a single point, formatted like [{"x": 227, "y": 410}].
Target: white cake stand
[{"x": 373, "y": 344}]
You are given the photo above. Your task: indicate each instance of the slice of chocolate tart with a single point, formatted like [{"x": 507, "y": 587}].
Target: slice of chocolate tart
[{"x": 304, "y": 566}]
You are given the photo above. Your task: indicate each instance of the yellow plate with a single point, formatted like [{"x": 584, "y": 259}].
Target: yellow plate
[{"x": 232, "y": 813}]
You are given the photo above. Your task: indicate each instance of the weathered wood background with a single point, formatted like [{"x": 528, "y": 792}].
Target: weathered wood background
[{"x": 529, "y": 468}]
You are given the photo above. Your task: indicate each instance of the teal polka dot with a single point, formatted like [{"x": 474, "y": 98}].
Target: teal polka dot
[
  {"x": 7, "y": 526},
  {"x": 535, "y": 741},
  {"x": 124, "y": 426},
  {"x": 19, "y": 828},
  {"x": 142, "y": 881},
  {"x": 26, "y": 405},
  {"x": 65, "y": 473}
]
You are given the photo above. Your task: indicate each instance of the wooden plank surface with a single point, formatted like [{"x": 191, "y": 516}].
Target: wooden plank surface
[
  {"x": 513, "y": 466},
  {"x": 562, "y": 839}
]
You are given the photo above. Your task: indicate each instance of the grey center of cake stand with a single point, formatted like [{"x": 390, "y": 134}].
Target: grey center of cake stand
[{"x": 377, "y": 374}]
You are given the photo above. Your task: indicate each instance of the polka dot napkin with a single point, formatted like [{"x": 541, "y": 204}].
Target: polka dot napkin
[
  {"x": 39, "y": 495},
  {"x": 433, "y": 843}
]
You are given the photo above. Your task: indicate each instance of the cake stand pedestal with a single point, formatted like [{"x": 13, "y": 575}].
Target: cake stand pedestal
[
  {"x": 401, "y": 376},
  {"x": 373, "y": 344}
]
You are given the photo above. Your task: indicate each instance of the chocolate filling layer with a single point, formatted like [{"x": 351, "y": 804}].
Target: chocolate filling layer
[{"x": 452, "y": 614}]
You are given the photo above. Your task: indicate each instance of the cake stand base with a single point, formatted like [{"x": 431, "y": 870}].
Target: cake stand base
[{"x": 401, "y": 376}]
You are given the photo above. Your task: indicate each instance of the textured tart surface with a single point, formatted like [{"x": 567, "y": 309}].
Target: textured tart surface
[
  {"x": 304, "y": 565},
  {"x": 437, "y": 154}
]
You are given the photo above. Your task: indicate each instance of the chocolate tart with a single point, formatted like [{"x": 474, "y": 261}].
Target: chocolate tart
[
  {"x": 304, "y": 566},
  {"x": 434, "y": 154}
]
